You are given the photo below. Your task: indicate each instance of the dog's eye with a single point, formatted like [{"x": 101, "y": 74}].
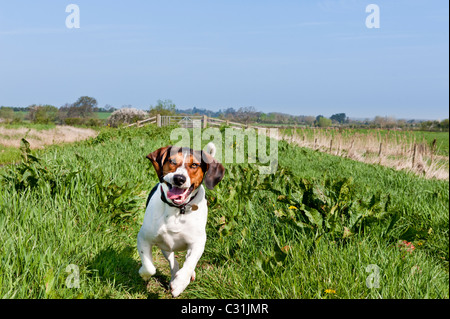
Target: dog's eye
[
  {"x": 172, "y": 161},
  {"x": 194, "y": 165}
]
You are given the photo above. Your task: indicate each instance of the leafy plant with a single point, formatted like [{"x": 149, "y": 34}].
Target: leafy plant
[
  {"x": 330, "y": 206},
  {"x": 30, "y": 173}
]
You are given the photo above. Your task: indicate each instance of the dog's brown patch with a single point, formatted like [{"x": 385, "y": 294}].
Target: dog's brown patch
[
  {"x": 197, "y": 163},
  {"x": 191, "y": 162}
]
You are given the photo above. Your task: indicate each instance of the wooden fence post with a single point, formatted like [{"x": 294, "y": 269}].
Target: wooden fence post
[
  {"x": 433, "y": 146},
  {"x": 433, "y": 149},
  {"x": 414, "y": 155},
  {"x": 351, "y": 146},
  {"x": 379, "y": 151},
  {"x": 158, "y": 120},
  {"x": 205, "y": 121}
]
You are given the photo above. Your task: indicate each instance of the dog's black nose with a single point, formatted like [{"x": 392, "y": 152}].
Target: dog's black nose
[{"x": 179, "y": 180}]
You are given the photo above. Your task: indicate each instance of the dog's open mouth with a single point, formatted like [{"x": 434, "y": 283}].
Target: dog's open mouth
[{"x": 178, "y": 195}]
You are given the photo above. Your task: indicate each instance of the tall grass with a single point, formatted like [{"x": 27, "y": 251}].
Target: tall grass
[
  {"x": 10, "y": 137},
  {"x": 39, "y": 135},
  {"x": 309, "y": 231},
  {"x": 316, "y": 229},
  {"x": 425, "y": 154}
]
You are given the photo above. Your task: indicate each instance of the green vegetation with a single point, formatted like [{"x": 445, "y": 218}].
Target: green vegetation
[
  {"x": 84, "y": 112},
  {"x": 102, "y": 115},
  {"x": 163, "y": 107},
  {"x": 9, "y": 154},
  {"x": 312, "y": 230},
  {"x": 382, "y": 135},
  {"x": 323, "y": 122}
]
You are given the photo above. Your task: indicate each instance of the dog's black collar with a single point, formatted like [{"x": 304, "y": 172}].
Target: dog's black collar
[{"x": 181, "y": 207}]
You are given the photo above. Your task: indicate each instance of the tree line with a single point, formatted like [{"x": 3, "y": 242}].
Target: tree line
[
  {"x": 81, "y": 112},
  {"x": 249, "y": 115}
]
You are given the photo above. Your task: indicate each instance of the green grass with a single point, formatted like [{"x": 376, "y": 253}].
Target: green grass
[
  {"x": 9, "y": 154},
  {"x": 102, "y": 115},
  {"x": 12, "y": 154},
  {"x": 308, "y": 231},
  {"x": 442, "y": 140}
]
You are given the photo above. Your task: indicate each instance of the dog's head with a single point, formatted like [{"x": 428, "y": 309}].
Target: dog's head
[{"x": 182, "y": 170}]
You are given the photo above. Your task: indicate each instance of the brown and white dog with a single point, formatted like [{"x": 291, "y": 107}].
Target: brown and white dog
[{"x": 176, "y": 213}]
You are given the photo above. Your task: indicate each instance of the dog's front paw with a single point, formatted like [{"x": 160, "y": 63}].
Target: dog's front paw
[
  {"x": 180, "y": 283},
  {"x": 146, "y": 274}
]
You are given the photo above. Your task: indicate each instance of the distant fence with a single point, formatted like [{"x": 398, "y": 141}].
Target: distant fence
[
  {"x": 190, "y": 122},
  {"x": 183, "y": 121},
  {"x": 369, "y": 148},
  {"x": 150, "y": 120}
]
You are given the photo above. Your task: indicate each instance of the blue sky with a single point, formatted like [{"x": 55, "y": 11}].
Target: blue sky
[{"x": 297, "y": 57}]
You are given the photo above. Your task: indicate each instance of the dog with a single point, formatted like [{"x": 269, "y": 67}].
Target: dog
[{"x": 176, "y": 211}]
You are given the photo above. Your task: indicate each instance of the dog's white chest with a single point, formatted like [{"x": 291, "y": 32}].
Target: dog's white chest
[
  {"x": 173, "y": 224},
  {"x": 171, "y": 230}
]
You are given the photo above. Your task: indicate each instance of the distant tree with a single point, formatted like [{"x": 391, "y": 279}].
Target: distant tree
[
  {"x": 444, "y": 124},
  {"x": 391, "y": 122},
  {"x": 228, "y": 114},
  {"x": 62, "y": 113},
  {"x": 309, "y": 120},
  {"x": 163, "y": 107},
  {"x": 262, "y": 118},
  {"x": 197, "y": 111},
  {"x": 247, "y": 114},
  {"x": 46, "y": 114},
  {"x": 318, "y": 117},
  {"x": 83, "y": 107},
  {"x": 339, "y": 117},
  {"x": 380, "y": 121},
  {"x": 42, "y": 114},
  {"x": 324, "y": 122},
  {"x": 430, "y": 125},
  {"x": 401, "y": 123},
  {"x": 6, "y": 113}
]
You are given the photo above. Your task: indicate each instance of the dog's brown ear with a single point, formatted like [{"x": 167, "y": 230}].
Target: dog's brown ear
[
  {"x": 157, "y": 158},
  {"x": 214, "y": 170}
]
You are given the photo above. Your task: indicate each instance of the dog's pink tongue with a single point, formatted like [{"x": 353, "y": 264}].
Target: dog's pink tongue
[{"x": 177, "y": 193}]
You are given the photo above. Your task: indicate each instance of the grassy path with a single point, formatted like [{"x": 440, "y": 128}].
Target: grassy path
[{"x": 322, "y": 227}]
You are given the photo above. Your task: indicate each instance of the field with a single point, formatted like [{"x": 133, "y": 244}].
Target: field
[
  {"x": 39, "y": 136},
  {"x": 323, "y": 226},
  {"x": 391, "y": 136},
  {"x": 424, "y": 153}
]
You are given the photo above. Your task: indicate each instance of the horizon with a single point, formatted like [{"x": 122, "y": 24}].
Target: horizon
[
  {"x": 178, "y": 110},
  {"x": 294, "y": 57}
]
